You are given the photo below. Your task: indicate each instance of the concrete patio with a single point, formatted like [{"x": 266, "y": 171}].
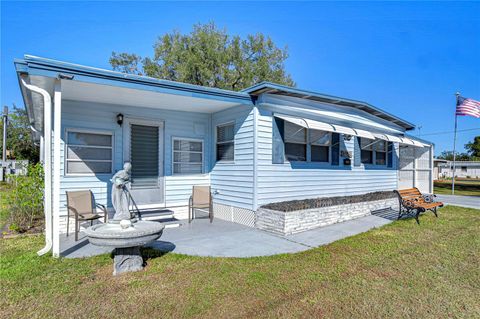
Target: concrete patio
[{"x": 226, "y": 239}]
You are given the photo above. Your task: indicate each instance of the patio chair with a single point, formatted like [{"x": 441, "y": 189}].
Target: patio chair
[
  {"x": 201, "y": 198},
  {"x": 80, "y": 205}
]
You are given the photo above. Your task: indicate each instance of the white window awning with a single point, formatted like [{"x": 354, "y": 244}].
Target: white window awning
[
  {"x": 413, "y": 142},
  {"x": 400, "y": 139},
  {"x": 322, "y": 126}
]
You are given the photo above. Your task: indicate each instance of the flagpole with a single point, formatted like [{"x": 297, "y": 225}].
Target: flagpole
[{"x": 454, "y": 144}]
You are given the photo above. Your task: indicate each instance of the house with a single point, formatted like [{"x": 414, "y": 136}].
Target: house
[
  {"x": 466, "y": 169},
  {"x": 265, "y": 144}
]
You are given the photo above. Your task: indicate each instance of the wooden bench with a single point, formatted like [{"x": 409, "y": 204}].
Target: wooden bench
[{"x": 412, "y": 201}]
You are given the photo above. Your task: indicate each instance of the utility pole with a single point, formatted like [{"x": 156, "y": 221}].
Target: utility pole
[
  {"x": 454, "y": 144},
  {"x": 5, "y": 123}
]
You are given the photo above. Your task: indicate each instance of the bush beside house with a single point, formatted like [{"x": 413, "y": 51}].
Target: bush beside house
[{"x": 25, "y": 200}]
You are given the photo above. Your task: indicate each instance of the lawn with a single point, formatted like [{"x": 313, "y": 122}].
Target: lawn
[
  {"x": 431, "y": 270},
  {"x": 466, "y": 187}
]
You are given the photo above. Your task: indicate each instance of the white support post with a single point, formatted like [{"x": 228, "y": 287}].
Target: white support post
[
  {"x": 431, "y": 169},
  {"x": 57, "y": 102},
  {"x": 42, "y": 149},
  {"x": 414, "y": 164}
]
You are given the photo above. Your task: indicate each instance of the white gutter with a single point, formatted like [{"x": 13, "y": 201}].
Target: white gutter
[{"x": 47, "y": 198}]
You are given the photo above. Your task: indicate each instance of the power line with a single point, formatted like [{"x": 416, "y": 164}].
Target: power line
[{"x": 450, "y": 132}]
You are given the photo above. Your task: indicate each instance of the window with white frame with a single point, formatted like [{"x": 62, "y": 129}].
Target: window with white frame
[
  {"x": 295, "y": 138},
  {"x": 320, "y": 142},
  {"x": 88, "y": 152},
  {"x": 366, "y": 147},
  {"x": 225, "y": 144},
  {"x": 187, "y": 156},
  {"x": 381, "y": 152},
  {"x": 298, "y": 140},
  {"x": 373, "y": 151}
]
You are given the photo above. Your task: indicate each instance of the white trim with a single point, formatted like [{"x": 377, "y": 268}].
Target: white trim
[
  {"x": 57, "y": 120},
  {"x": 180, "y": 138},
  {"x": 233, "y": 122},
  {"x": 87, "y": 131},
  {"x": 255, "y": 157}
]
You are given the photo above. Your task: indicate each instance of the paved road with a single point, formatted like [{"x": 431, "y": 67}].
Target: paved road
[{"x": 464, "y": 201}]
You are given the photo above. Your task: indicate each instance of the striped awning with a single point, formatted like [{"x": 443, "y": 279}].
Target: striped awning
[
  {"x": 322, "y": 126},
  {"x": 400, "y": 139}
]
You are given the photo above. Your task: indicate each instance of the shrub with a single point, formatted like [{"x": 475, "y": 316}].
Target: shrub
[{"x": 25, "y": 198}]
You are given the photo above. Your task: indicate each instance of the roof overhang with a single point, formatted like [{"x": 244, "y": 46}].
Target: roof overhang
[
  {"x": 81, "y": 83},
  {"x": 272, "y": 88}
]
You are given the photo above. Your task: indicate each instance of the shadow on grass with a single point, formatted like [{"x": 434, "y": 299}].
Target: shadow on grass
[{"x": 149, "y": 253}]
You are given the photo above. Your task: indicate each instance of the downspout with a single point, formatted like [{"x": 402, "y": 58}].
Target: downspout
[
  {"x": 47, "y": 201},
  {"x": 255, "y": 157}
]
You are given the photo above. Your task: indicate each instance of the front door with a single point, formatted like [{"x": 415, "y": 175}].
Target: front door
[{"x": 144, "y": 150}]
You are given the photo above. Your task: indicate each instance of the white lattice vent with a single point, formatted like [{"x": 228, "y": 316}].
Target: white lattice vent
[{"x": 234, "y": 214}]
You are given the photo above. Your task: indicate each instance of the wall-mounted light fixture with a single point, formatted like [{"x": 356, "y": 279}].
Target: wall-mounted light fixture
[
  {"x": 120, "y": 119},
  {"x": 347, "y": 137}
]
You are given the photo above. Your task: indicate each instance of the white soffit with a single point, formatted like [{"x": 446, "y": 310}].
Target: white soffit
[
  {"x": 322, "y": 126},
  {"x": 99, "y": 93}
]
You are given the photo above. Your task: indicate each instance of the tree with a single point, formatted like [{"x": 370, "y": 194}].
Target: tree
[
  {"x": 208, "y": 56},
  {"x": 19, "y": 136},
  {"x": 448, "y": 155},
  {"x": 473, "y": 148}
]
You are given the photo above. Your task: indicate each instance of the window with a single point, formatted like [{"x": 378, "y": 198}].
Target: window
[
  {"x": 381, "y": 152},
  {"x": 373, "y": 151},
  {"x": 463, "y": 169},
  {"x": 89, "y": 153},
  {"x": 295, "y": 142},
  {"x": 366, "y": 146},
  {"x": 187, "y": 156},
  {"x": 225, "y": 142},
  {"x": 320, "y": 142}
]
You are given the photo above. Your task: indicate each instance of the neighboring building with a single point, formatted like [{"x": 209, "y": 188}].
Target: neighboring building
[
  {"x": 467, "y": 169},
  {"x": 267, "y": 143}
]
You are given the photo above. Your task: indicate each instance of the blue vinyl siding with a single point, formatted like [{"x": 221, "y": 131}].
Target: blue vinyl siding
[
  {"x": 281, "y": 182},
  {"x": 234, "y": 180},
  {"x": 101, "y": 117}
]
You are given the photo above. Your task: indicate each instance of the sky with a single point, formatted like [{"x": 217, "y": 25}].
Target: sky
[{"x": 407, "y": 58}]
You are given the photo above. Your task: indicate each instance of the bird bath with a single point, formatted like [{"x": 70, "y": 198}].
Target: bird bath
[
  {"x": 126, "y": 238},
  {"x": 124, "y": 232}
]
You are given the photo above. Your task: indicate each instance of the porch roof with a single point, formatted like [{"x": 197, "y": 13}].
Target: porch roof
[{"x": 103, "y": 86}]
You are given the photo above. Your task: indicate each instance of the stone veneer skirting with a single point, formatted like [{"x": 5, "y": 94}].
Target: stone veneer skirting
[{"x": 287, "y": 223}]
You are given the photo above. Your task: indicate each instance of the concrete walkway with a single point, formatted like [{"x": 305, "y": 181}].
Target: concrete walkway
[
  {"x": 463, "y": 201},
  {"x": 226, "y": 239}
]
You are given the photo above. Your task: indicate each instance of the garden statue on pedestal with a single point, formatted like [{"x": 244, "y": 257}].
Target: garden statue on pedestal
[{"x": 120, "y": 194}]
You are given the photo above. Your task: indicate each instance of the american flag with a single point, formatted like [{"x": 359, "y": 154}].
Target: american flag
[{"x": 468, "y": 107}]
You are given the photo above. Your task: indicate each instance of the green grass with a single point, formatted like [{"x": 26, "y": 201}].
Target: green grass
[
  {"x": 402, "y": 270},
  {"x": 463, "y": 187}
]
